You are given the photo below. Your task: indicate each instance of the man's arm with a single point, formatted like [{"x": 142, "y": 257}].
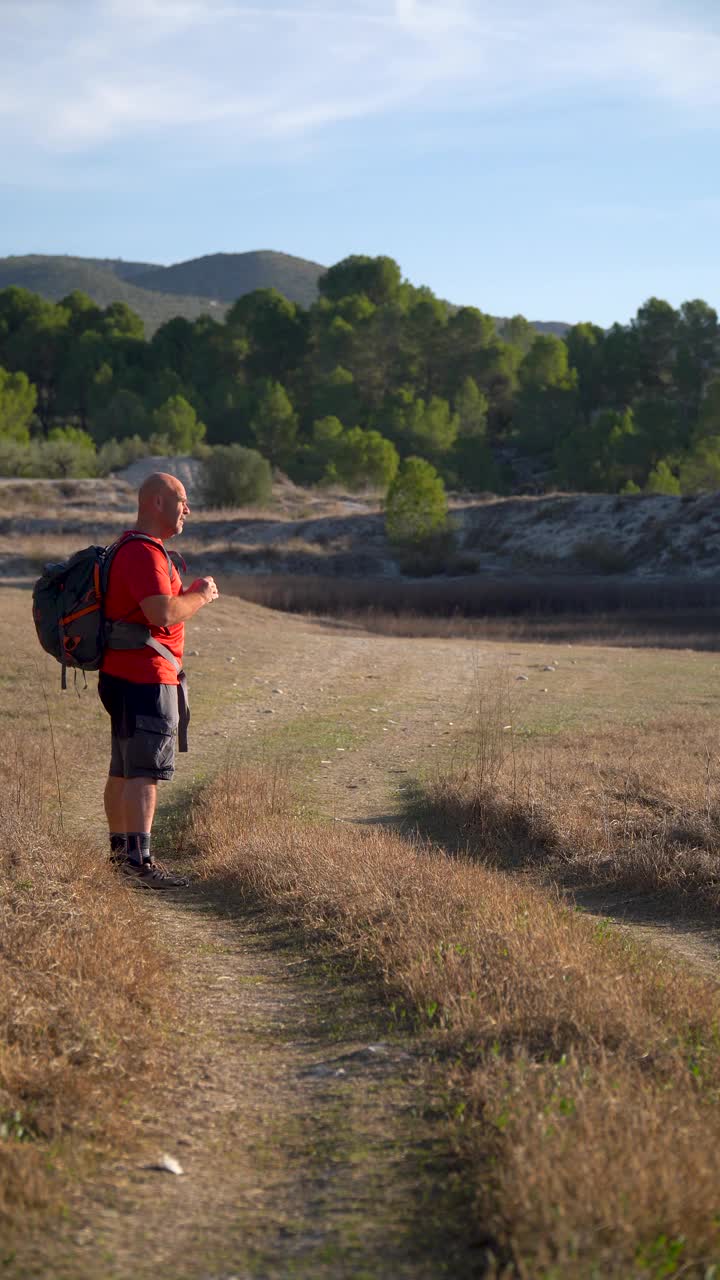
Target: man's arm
[{"x": 165, "y": 611}]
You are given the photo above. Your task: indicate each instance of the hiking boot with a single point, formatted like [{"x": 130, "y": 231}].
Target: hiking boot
[{"x": 150, "y": 874}]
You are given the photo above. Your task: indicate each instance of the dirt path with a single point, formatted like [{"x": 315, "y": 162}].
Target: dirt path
[{"x": 302, "y": 1124}]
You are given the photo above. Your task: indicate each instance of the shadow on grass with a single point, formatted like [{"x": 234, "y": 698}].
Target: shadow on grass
[{"x": 505, "y": 836}]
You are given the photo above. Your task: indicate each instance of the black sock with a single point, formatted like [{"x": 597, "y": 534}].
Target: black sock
[
  {"x": 118, "y": 844},
  {"x": 139, "y": 846}
]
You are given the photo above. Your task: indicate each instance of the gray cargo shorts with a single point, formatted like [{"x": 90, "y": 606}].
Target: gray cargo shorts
[{"x": 143, "y": 727}]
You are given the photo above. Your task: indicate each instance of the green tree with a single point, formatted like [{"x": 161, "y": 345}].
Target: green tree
[
  {"x": 546, "y": 409},
  {"x": 172, "y": 346},
  {"x": 697, "y": 353},
  {"x": 657, "y": 331},
  {"x": 87, "y": 354},
  {"x": 700, "y": 469},
  {"x": 178, "y": 422},
  {"x": 229, "y": 411},
  {"x": 518, "y": 332},
  {"x": 336, "y": 396},
  {"x": 19, "y": 308},
  {"x": 17, "y": 405},
  {"x": 416, "y": 508},
  {"x": 584, "y": 344},
  {"x": 469, "y": 345},
  {"x": 414, "y": 426},
  {"x": 422, "y": 352},
  {"x": 72, "y": 435},
  {"x": 83, "y": 314},
  {"x": 436, "y": 431},
  {"x": 657, "y": 432},
  {"x": 123, "y": 415},
  {"x": 472, "y": 463},
  {"x": 708, "y": 422},
  {"x": 378, "y": 278},
  {"x": 495, "y": 369},
  {"x": 471, "y": 408},
  {"x": 365, "y": 458},
  {"x": 274, "y": 425},
  {"x": 662, "y": 479},
  {"x": 37, "y": 347},
  {"x": 375, "y": 355},
  {"x": 545, "y": 364},
  {"x": 327, "y": 433},
  {"x": 620, "y": 367},
  {"x": 119, "y": 321},
  {"x": 594, "y": 457},
  {"x": 274, "y": 329}
]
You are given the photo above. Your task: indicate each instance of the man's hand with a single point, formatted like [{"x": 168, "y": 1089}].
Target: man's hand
[
  {"x": 166, "y": 611},
  {"x": 206, "y": 588}
]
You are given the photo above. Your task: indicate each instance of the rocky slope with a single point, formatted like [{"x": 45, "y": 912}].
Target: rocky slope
[{"x": 311, "y": 531}]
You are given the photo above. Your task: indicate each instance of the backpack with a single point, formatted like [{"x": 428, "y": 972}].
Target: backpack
[{"x": 68, "y": 610}]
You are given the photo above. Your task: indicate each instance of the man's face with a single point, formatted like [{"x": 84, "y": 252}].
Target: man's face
[{"x": 174, "y": 510}]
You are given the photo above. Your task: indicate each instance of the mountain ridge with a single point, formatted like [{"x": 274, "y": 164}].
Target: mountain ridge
[{"x": 198, "y": 286}]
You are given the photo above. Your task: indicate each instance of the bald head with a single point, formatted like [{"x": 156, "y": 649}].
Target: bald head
[{"x": 162, "y": 505}]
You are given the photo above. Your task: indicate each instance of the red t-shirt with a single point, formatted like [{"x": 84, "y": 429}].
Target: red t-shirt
[{"x": 140, "y": 569}]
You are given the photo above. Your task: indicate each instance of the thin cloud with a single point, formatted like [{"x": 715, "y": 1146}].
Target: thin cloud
[{"x": 119, "y": 69}]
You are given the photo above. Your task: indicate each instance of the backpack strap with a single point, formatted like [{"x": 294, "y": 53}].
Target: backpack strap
[
  {"x": 164, "y": 652},
  {"x": 135, "y": 635},
  {"x": 132, "y": 536}
]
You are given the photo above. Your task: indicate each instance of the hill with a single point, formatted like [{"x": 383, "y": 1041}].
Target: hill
[
  {"x": 227, "y": 276},
  {"x": 104, "y": 281},
  {"x": 201, "y": 286}
]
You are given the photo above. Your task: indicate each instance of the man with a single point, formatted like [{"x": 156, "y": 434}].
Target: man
[{"x": 143, "y": 688}]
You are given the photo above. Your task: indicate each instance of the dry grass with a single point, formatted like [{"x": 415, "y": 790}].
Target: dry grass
[
  {"x": 80, "y": 987},
  {"x": 558, "y": 611},
  {"x": 583, "y": 1074},
  {"x": 249, "y": 553},
  {"x": 624, "y": 807}
]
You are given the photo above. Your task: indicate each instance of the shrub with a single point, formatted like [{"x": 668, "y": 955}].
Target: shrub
[
  {"x": 416, "y": 506},
  {"x": 598, "y": 555},
  {"x": 662, "y": 480},
  {"x": 235, "y": 477},
  {"x": 14, "y": 458},
  {"x": 67, "y": 453},
  {"x": 416, "y": 518},
  {"x": 115, "y": 455}
]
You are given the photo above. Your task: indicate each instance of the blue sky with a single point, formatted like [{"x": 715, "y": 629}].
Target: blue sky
[{"x": 555, "y": 159}]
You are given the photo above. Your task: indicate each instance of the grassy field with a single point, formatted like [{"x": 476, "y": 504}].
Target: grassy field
[
  {"x": 565, "y": 1054},
  {"x": 574, "y": 1059}
]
